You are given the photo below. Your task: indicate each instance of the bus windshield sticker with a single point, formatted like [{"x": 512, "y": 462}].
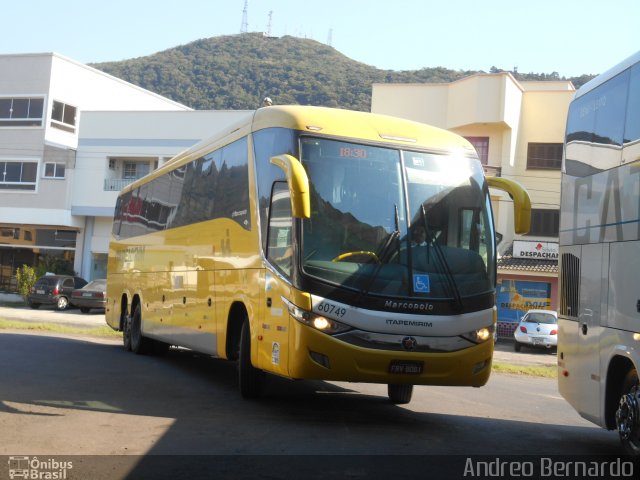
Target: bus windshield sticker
[{"x": 421, "y": 283}]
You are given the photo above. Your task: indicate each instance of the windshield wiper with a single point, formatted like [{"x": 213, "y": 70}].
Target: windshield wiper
[
  {"x": 391, "y": 238},
  {"x": 382, "y": 255},
  {"x": 450, "y": 280}
]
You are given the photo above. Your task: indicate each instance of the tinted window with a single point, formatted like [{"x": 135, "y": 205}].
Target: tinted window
[
  {"x": 213, "y": 186},
  {"x": 280, "y": 246},
  {"x": 632, "y": 131},
  {"x": 598, "y": 116},
  {"x": 268, "y": 143},
  {"x": 232, "y": 195}
]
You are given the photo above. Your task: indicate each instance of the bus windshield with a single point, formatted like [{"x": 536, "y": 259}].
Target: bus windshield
[{"x": 397, "y": 222}]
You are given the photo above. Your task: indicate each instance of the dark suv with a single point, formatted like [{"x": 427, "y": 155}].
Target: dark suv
[{"x": 54, "y": 290}]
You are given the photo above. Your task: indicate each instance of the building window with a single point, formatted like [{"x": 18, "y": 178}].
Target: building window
[
  {"x": 481, "y": 144},
  {"x": 133, "y": 170},
  {"x": 63, "y": 117},
  {"x": 544, "y": 223},
  {"x": 544, "y": 156},
  {"x": 21, "y": 112},
  {"x": 18, "y": 175},
  {"x": 54, "y": 170}
]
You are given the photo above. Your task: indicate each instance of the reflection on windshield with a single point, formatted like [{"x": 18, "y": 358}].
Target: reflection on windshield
[{"x": 367, "y": 230}]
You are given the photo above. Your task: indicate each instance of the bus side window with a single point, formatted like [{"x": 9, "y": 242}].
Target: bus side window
[{"x": 280, "y": 245}]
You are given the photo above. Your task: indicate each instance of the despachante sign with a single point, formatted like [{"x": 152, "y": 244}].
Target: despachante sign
[{"x": 535, "y": 250}]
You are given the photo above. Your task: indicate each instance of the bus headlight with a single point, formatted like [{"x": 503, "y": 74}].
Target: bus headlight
[
  {"x": 324, "y": 324},
  {"x": 480, "y": 335}
]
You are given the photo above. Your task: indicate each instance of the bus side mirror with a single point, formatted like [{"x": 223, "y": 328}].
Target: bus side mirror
[
  {"x": 298, "y": 183},
  {"x": 521, "y": 201}
]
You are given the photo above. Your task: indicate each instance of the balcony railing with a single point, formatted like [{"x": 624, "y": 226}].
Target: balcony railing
[{"x": 116, "y": 184}]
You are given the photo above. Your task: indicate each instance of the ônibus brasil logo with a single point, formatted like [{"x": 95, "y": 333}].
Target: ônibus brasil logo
[{"x": 34, "y": 468}]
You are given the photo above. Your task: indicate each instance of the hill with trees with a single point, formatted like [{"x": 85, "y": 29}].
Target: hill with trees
[{"x": 238, "y": 71}]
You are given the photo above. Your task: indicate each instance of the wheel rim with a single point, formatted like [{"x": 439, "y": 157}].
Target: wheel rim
[
  {"x": 628, "y": 418},
  {"x": 62, "y": 303}
]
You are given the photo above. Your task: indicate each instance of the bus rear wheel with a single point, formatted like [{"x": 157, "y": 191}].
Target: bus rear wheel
[
  {"x": 628, "y": 415},
  {"x": 400, "y": 394},
  {"x": 139, "y": 344},
  {"x": 250, "y": 379},
  {"x": 126, "y": 330}
]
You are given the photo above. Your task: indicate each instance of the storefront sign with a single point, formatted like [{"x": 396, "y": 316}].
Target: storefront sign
[{"x": 535, "y": 250}]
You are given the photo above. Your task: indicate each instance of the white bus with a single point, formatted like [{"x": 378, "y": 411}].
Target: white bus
[{"x": 599, "y": 314}]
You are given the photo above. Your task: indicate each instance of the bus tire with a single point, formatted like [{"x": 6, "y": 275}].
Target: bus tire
[
  {"x": 400, "y": 394},
  {"x": 139, "y": 344},
  {"x": 628, "y": 415},
  {"x": 250, "y": 379},
  {"x": 126, "y": 331}
]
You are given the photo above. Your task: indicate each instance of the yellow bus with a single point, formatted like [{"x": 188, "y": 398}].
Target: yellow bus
[{"x": 315, "y": 243}]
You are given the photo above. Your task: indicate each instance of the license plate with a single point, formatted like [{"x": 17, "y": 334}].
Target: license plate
[
  {"x": 405, "y": 367},
  {"x": 536, "y": 341},
  {"x": 40, "y": 292},
  {"x": 87, "y": 294}
]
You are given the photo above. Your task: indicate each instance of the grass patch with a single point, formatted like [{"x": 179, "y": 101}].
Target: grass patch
[
  {"x": 532, "y": 370},
  {"x": 101, "y": 331}
]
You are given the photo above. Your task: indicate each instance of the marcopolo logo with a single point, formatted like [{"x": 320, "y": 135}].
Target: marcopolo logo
[{"x": 38, "y": 469}]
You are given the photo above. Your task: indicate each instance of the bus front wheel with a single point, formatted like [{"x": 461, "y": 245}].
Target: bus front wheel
[
  {"x": 250, "y": 379},
  {"x": 628, "y": 415},
  {"x": 399, "y": 394}
]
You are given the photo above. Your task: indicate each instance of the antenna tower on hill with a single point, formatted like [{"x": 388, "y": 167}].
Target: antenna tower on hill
[
  {"x": 269, "y": 24},
  {"x": 244, "y": 27}
]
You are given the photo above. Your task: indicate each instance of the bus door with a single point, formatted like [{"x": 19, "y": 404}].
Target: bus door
[
  {"x": 580, "y": 347},
  {"x": 274, "y": 348}
]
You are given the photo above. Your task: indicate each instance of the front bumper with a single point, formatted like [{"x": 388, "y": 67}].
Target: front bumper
[{"x": 316, "y": 355}]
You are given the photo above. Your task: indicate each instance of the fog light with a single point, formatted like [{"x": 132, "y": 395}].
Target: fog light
[
  {"x": 320, "y": 359},
  {"x": 478, "y": 367}
]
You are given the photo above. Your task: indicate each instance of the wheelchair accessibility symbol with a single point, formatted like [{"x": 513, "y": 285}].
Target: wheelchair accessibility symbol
[{"x": 421, "y": 284}]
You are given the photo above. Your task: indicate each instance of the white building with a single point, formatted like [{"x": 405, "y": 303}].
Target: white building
[
  {"x": 49, "y": 193},
  {"x": 114, "y": 149}
]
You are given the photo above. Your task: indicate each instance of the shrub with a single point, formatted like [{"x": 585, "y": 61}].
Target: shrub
[{"x": 25, "y": 279}]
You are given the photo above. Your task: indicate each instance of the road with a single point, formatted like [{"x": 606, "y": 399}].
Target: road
[{"x": 62, "y": 395}]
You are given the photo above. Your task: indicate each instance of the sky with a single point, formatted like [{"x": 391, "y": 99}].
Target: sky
[{"x": 570, "y": 37}]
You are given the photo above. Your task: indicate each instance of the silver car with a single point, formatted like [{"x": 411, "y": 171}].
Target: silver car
[{"x": 537, "y": 328}]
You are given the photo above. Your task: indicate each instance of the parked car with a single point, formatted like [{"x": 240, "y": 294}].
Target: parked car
[
  {"x": 54, "y": 290},
  {"x": 92, "y": 295},
  {"x": 537, "y": 328}
]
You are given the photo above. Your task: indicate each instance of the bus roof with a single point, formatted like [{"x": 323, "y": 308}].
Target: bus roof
[
  {"x": 348, "y": 124},
  {"x": 361, "y": 125},
  {"x": 612, "y": 72}
]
